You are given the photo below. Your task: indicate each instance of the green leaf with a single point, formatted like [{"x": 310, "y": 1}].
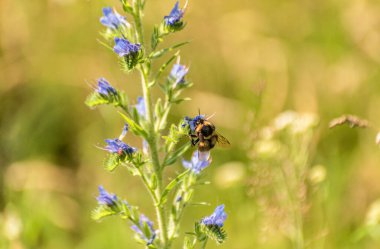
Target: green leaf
[
  {"x": 111, "y": 162},
  {"x": 158, "y": 109},
  {"x": 173, "y": 156},
  {"x": 134, "y": 127},
  {"x": 155, "y": 37},
  {"x": 177, "y": 101},
  {"x": 165, "y": 65},
  {"x": 157, "y": 54},
  {"x": 171, "y": 185},
  {"x": 189, "y": 243},
  {"x": 127, "y": 7},
  {"x": 101, "y": 212},
  {"x": 153, "y": 182},
  {"x": 95, "y": 99}
]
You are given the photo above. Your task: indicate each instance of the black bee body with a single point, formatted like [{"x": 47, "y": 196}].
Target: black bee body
[{"x": 205, "y": 135}]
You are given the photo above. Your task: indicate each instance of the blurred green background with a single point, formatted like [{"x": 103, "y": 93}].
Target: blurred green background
[{"x": 250, "y": 61}]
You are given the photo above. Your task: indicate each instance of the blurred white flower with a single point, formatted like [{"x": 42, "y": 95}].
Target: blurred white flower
[
  {"x": 12, "y": 225},
  {"x": 285, "y": 119},
  {"x": 317, "y": 174},
  {"x": 304, "y": 122}
]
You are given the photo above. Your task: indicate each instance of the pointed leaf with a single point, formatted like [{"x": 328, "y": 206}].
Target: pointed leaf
[
  {"x": 134, "y": 127},
  {"x": 101, "y": 212},
  {"x": 157, "y": 54},
  {"x": 176, "y": 154},
  {"x": 171, "y": 185}
]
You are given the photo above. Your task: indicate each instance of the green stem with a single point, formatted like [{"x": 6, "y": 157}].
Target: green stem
[
  {"x": 203, "y": 246},
  {"x": 152, "y": 139}
]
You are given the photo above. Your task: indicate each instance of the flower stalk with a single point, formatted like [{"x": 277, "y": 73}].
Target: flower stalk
[{"x": 147, "y": 119}]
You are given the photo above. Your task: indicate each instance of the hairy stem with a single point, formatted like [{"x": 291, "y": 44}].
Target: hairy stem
[{"x": 152, "y": 137}]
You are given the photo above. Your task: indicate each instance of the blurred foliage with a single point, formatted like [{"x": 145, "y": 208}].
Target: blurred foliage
[{"x": 250, "y": 61}]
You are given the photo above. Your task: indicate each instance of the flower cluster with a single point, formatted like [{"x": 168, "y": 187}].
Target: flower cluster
[
  {"x": 145, "y": 230},
  {"x": 106, "y": 198},
  {"x": 217, "y": 218},
  {"x": 105, "y": 88},
  {"x": 174, "y": 19},
  {"x": 119, "y": 147},
  {"x": 112, "y": 19},
  {"x": 199, "y": 161},
  {"x": 129, "y": 52},
  {"x": 178, "y": 73},
  {"x": 192, "y": 122}
]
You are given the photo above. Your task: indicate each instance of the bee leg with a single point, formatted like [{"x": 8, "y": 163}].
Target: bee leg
[{"x": 194, "y": 142}]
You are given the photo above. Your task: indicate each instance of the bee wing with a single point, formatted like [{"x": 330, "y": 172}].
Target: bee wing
[{"x": 222, "y": 141}]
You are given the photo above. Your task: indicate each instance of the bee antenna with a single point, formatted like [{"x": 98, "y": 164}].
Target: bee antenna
[
  {"x": 199, "y": 111},
  {"x": 212, "y": 115}
]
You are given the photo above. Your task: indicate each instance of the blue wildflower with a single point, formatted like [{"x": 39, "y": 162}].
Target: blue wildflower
[
  {"x": 199, "y": 161},
  {"x": 140, "y": 106},
  {"x": 145, "y": 147},
  {"x": 104, "y": 88},
  {"x": 119, "y": 147},
  {"x": 123, "y": 47},
  {"x": 175, "y": 16},
  {"x": 106, "y": 198},
  {"x": 217, "y": 218},
  {"x": 149, "y": 235},
  {"x": 192, "y": 121},
  {"x": 112, "y": 19},
  {"x": 124, "y": 132},
  {"x": 178, "y": 73}
]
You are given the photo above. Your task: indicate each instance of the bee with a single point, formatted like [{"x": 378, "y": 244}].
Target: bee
[{"x": 203, "y": 133}]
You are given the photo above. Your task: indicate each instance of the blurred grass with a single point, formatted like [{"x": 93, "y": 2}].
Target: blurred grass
[{"x": 249, "y": 60}]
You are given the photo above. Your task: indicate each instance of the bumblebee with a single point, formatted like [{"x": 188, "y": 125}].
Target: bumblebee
[{"x": 203, "y": 133}]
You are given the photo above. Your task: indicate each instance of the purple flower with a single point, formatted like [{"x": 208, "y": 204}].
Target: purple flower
[
  {"x": 217, "y": 218},
  {"x": 124, "y": 132},
  {"x": 104, "y": 88},
  {"x": 140, "y": 106},
  {"x": 112, "y": 19},
  {"x": 199, "y": 161},
  {"x": 193, "y": 121},
  {"x": 175, "y": 16},
  {"x": 119, "y": 147},
  {"x": 145, "y": 147},
  {"x": 106, "y": 198},
  {"x": 178, "y": 73},
  {"x": 148, "y": 236},
  {"x": 123, "y": 47}
]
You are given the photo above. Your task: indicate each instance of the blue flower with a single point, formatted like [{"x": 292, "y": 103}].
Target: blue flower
[
  {"x": 175, "y": 16},
  {"x": 145, "y": 147},
  {"x": 192, "y": 121},
  {"x": 123, "y": 47},
  {"x": 106, "y": 198},
  {"x": 124, "y": 132},
  {"x": 199, "y": 161},
  {"x": 178, "y": 73},
  {"x": 119, "y": 147},
  {"x": 217, "y": 218},
  {"x": 140, "y": 106},
  {"x": 112, "y": 19},
  {"x": 104, "y": 88},
  {"x": 148, "y": 236}
]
